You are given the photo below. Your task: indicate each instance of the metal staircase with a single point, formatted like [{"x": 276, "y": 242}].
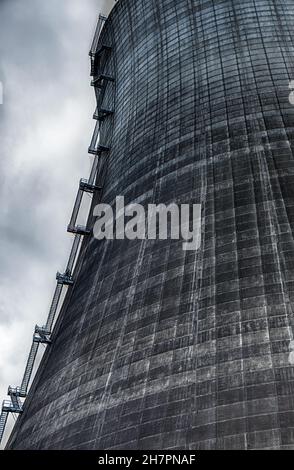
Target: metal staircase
[
  {"x": 85, "y": 186},
  {"x": 29, "y": 367},
  {"x": 15, "y": 394},
  {"x": 101, "y": 111},
  {"x": 8, "y": 407},
  {"x": 99, "y": 55},
  {"x": 100, "y": 23},
  {"x": 53, "y": 307},
  {"x": 3, "y": 421},
  {"x": 76, "y": 210},
  {"x": 99, "y": 58},
  {"x": 73, "y": 254}
]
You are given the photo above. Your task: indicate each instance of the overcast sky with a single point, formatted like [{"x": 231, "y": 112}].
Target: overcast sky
[{"x": 45, "y": 129}]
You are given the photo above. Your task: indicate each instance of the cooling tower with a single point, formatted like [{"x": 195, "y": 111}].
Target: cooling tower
[{"x": 157, "y": 347}]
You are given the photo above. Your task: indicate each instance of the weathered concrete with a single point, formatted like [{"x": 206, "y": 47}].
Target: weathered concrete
[{"x": 157, "y": 348}]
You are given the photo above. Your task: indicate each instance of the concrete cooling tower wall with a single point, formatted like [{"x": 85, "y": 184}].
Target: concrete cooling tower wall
[{"x": 157, "y": 347}]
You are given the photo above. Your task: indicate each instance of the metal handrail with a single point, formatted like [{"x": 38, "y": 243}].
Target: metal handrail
[{"x": 100, "y": 24}]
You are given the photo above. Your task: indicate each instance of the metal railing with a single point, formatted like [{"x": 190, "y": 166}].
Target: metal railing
[
  {"x": 100, "y": 24},
  {"x": 29, "y": 367},
  {"x": 95, "y": 137},
  {"x": 53, "y": 307},
  {"x": 73, "y": 254},
  {"x": 65, "y": 279},
  {"x": 85, "y": 186},
  {"x": 3, "y": 421}
]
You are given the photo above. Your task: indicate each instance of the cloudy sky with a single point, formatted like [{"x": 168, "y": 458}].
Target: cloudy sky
[{"x": 45, "y": 129}]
